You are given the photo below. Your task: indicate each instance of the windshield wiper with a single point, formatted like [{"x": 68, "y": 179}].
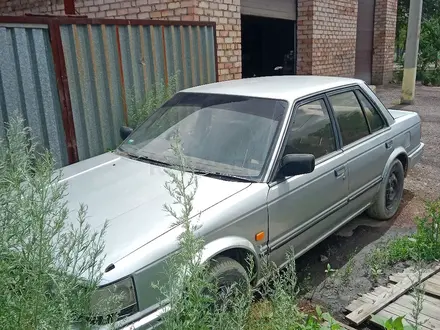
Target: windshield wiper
[
  {"x": 147, "y": 159},
  {"x": 223, "y": 176},
  {"x": 217, "y": 175}
]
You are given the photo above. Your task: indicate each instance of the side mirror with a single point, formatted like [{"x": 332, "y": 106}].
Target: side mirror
[
  {"x": 296, "y": 164},
  {"x": 125, "y": 131}
]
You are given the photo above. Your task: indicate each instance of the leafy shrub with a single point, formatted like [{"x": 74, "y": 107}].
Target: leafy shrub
[
  {"x": 431, "y": 78},
  {"x": 429, "y": 47},
  {"x": 49, "y": 266}
]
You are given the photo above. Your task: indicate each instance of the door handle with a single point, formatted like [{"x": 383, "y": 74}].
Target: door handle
[
  {"x": 340, "y": 172},
  {"x": 389, "y": 144}
]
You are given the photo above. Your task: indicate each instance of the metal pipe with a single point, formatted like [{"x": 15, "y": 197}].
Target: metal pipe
[{"x": 69, "y": 7}]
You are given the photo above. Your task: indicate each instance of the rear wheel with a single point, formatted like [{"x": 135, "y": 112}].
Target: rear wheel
[{"x": 388, "y": 199}]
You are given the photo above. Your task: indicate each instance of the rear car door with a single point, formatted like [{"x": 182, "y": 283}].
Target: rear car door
[
  {"x": 305, "y": 208},
  {"x": 365, "y": 141}
]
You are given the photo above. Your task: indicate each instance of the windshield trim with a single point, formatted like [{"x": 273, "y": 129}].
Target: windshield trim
[{"x": 271, "y": 150}]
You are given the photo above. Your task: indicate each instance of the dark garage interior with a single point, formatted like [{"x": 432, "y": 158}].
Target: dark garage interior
[{"x": 266, "y": 44}]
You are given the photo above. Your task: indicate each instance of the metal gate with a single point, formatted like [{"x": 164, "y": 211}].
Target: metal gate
[
  {"x": 364, "y": 40},
  {"x": 71, "y": 78}
]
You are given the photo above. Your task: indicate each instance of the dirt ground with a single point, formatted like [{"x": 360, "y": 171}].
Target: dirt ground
[{"x": 349, "y": 249}]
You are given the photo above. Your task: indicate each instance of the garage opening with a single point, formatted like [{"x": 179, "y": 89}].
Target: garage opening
[
  {"x": 267, "y": 43},
  {"x": 268, "y": 34}
]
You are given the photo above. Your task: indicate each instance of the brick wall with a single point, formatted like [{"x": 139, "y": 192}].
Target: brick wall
[
  {"x": 384, "y": 34},
  {"x": 226, "y": 13},
  {"x": 20, "y": 7},
  {"x": 327, "y": 37}
]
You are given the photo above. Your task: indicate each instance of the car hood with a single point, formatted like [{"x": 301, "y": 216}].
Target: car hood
[{"x": 130, "y": 194}]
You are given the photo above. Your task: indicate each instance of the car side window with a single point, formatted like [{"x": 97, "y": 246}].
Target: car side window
[
  {"x": 350, "y": 117},
  {"x": 311, "y": 131},
  {"x": 374, "y": 119}
]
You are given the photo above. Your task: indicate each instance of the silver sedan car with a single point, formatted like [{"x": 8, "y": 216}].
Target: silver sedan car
[{"x": 282, "y": 162}]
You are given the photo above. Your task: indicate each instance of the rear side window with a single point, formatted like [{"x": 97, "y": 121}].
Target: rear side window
[
  {"x": 374, "y": 119},
  {"x": 350, "y": 117}
]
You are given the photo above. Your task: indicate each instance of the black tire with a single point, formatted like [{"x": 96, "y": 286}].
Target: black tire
[
  {"x": 227, "y": 272},
  {"x": 390, "y": 194}
]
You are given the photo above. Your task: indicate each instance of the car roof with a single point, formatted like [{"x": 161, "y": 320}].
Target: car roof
[{"x": 287, "y": 88}]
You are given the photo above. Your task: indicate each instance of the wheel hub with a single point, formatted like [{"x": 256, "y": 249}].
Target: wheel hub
[{"x": 391, "y": 190}]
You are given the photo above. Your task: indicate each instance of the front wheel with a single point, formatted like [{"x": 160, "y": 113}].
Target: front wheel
[
  {"x": 229, "y": 274},
  {"x": 388, "y": 199}
]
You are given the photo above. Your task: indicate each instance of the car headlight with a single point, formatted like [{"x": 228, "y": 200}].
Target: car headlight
[{"x": 116, "y": 300}]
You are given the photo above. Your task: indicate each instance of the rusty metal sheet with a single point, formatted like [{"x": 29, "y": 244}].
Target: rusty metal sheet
[
  {"x": 111, "y": 68},
  {"x": 95, "y": 86}
]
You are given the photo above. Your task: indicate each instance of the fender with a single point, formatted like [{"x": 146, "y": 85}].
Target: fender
[
  {"x": 220, "y": 245},
  {"x": 398, "y": 151}
]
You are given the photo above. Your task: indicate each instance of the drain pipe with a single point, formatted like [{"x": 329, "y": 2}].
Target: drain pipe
[{"x": 69, "y": 7}]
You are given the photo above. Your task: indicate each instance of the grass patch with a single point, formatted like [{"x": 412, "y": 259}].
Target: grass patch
[{"x": 423, "y": 245}]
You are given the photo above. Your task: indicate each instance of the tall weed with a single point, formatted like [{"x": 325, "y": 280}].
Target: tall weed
[
  {"x": 158, "y": 94},
  {"x": 49, "y": 266}
]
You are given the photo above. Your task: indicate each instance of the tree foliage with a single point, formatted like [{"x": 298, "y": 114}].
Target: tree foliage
[{"x": 429, "y": 46}]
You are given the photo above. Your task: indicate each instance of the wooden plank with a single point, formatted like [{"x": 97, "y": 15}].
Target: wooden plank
[
  {"x": 433, "y": 300},
  {"x": 431, "y": 288},
  {"x": 428, "y": 309},
  {"x": 355, "y": 304},
  {"x": 406, "y": 312},
  {"x": 397, "y": 278},
  {"x": 427, "y": 300},
  {"x": 435, "y": 279},
  {"x": 362, "y": 313},
  {"x": 365, "y": 299}
]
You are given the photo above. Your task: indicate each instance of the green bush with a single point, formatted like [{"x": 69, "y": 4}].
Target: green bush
[
  {"x": 431, "y": 78},
  {"x": 49, "y": 266}
]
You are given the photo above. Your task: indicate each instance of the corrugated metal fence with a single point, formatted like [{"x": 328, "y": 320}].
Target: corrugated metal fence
[
  {"x": 75, "y": 79},
  {"x": 28, "y": 85}
]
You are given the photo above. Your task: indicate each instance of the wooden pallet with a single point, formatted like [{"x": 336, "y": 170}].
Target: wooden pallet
[{"x": 395, "y": 300}]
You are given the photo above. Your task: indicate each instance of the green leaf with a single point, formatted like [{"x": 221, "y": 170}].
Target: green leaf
[
  {"x": 398, "y": 323},
  {"x": 318, "y": 311}
]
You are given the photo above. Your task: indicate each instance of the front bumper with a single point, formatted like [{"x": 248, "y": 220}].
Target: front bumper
[
  {"x": 147, "y": 322},
  {"x": 134, "y": 322},
  {"x": 415, "y": 156}
]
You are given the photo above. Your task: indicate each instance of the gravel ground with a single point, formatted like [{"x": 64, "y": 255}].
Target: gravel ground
[
  {"x": 349, "y": 249},
  {"x": 423, "y": 180}
]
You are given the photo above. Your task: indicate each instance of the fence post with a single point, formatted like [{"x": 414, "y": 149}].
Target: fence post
[{"x": 63, "y": 89}]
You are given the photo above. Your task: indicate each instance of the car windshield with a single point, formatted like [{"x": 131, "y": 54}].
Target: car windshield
[{"x": 220, "y": 134}]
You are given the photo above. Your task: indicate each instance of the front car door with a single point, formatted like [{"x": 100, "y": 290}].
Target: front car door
[
  {"x": 365, "y": 141},
  {"x": 305, "y": 208}
]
